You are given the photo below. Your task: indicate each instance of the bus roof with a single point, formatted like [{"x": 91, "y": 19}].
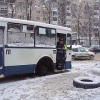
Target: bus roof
[{"x": 2, "y": 19}]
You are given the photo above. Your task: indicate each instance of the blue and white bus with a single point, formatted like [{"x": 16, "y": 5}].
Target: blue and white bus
[{"x": 30, "y": 47}]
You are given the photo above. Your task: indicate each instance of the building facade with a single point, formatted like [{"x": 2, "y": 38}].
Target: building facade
[
  {"x": 21, "y": 9},
  {"x": 3, "y": 8},
  {"x": 11, "y": 8},
  {"x": 96, "y": 16},
  {"x": 97, "y": 21},
  {"x": 30, "y": 10}
]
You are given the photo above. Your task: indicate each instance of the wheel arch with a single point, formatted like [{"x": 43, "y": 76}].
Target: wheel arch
[
  {"x": 73, "y": 57},
  {"x": 91, "y": 57},
  {"x": 47, "y": 61}
]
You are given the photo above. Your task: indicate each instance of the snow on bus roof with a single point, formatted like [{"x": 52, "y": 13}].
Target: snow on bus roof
[{"x": 33, "y": 23}]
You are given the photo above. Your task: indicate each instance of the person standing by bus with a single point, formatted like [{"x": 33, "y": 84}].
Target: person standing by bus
[{"x": 61, "y": 54}]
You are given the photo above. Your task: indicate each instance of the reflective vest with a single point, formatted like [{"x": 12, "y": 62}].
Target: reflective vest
[
  {"x": 61, "y": 48},
  {"x": 65, "y": 47}
]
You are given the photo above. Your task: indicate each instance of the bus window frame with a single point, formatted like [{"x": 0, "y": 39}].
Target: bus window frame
[
  {"x": 69, "y": 46},
  {"x": 32, "y": 34},
  {"x": 37, "y": 29}
]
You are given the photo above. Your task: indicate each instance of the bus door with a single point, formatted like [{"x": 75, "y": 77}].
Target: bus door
[
  {"x": 61, "y": 54},
  {"x": 1, "y": 49},
  {"x": 67, "y": 58},
  {"x": 69, "y": 50}
]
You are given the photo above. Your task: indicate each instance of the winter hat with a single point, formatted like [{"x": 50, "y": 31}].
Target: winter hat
[{"x": 61, "y": 39}]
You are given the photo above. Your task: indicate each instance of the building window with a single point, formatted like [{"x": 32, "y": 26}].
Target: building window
[
  {"x": 37, "y": 18},
  {"x": 54, "y": 13},
  {"x": 96, "y": 8},
  {"x": 68, "y": 3},
  {"x": 3, "y": 11},
  {"x": 68, "y": 8},
  {"x": 2, "y": 0},
  {"x": 54, "y": 18},
  {"x": 2, "y": 8},
  {"x": 20, "y": 17},
  {"x": 21, "y": 10},
  {"x": 69, "y": 26},
  {"x": 54, "y": 5},
  {"x": 96, "y": 0},
  {"x": 21, "y": 3},
  {"x": 38, "y": 12},
  {"x": 68, "y": 14},
  {"x": 44, "y": 19}
]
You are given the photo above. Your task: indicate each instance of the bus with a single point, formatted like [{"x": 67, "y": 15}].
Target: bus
[{"x": 30, "y": 47}]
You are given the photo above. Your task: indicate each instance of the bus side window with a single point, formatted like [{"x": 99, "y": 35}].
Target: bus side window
[
  {"x": 45, "y": 37},
  {"x": 19, "y": 34},
  {"x": 51, "y": 33}
]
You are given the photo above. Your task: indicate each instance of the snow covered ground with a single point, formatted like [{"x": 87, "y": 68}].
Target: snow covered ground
[{"x": 54, "y": 87}]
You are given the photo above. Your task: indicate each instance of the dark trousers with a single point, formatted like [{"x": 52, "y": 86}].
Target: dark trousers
[{"x": 60, "y": 61}]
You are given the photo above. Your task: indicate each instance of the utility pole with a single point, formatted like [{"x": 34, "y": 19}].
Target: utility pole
[
  {"x": 12, "y": 10},
  {"x": 30, "y": 10},
  {"x": 78, "y": 29},
  {"x": 89, "y": 31},
  {"x": 47, "y": 9},
  {"x": 78, "y": 24},
  {"x": 11, "y": 3}
]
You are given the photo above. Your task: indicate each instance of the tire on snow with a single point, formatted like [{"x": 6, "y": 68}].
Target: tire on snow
[{"x": 86, "y": 82}]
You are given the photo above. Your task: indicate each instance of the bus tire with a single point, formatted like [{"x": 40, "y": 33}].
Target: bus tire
[
  {"x": 91, "y": 57},
  {"x": 42, "y": 70},
  {"x": 86, "y": 82},
  {"x": 73, "y": 57}
]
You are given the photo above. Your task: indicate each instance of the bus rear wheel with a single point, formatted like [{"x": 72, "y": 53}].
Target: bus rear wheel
[
  {"x": 91, "y": 57},
  {"x": 42, "y": 70}
]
